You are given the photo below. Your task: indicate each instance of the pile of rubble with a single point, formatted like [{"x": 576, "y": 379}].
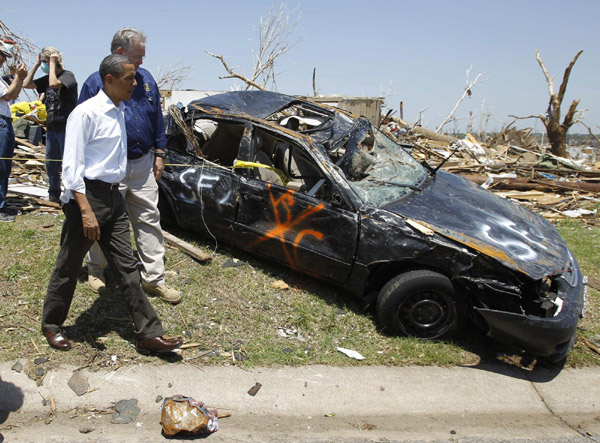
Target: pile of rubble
[
  {"x": 512, "y": 164},
  {"x": 28, "y": 185}
]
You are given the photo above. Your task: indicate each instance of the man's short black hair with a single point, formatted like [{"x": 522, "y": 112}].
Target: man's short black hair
[{"x": 113, "y": 65}]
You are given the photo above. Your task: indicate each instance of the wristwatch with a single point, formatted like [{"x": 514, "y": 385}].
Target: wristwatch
[{"x": 161, "y": 154}]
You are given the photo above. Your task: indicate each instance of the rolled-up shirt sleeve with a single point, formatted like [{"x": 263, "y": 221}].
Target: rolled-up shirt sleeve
[{"x": 76, "y": 139}]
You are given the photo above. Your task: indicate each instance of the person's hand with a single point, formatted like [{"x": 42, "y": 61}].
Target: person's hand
[
  {"x": 53, "y": 58},
  {"x": 159, "y": 167},
  {"x": 91, "y": 228},
  {"x": 21, "y": 70}
]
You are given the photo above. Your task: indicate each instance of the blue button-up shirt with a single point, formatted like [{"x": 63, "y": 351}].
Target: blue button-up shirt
[{"x": 143, "y": 114}]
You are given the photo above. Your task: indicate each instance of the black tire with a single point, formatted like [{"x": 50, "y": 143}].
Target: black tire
[{"x": 421, "y": 304}]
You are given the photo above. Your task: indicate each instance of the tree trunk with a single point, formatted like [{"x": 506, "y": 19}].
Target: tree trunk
[{"x": 557, "y": 136}]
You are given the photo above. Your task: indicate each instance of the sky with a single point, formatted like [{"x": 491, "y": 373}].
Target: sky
[{"x": 417, "y": 52}]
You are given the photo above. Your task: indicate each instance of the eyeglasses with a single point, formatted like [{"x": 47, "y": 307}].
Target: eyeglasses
[{"x": 137, "y": 58}]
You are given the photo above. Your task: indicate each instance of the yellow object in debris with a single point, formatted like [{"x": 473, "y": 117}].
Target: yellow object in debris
[
  {"x": 251, "y": 165},
  {"x": 35, "y": 109}
]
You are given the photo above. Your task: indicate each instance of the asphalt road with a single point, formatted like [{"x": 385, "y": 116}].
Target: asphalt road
[{"x": 485, "y": 403}]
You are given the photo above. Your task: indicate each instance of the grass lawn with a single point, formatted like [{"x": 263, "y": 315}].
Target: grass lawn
[{"x": 235, "y": 314}]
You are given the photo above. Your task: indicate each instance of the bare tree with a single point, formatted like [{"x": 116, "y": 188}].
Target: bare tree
[
  {"x": 557, "y": 131},
  {"x": 594, "y": 136},
  {"x": 467, "y": 93},
  {"x": 172, "y": 75},
  {"x": 484, "y": 119},
  {"x": 275, "y": 38},
  {"x": 23, "y": 48}
]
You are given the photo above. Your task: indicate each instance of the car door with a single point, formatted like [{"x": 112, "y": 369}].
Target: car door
[
  {"x": 316, "y": 234},
  {"x": 204, "y": 192}
]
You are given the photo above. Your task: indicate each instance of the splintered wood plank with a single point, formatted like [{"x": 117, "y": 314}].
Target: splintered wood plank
[{"x": 187, "y": 248}]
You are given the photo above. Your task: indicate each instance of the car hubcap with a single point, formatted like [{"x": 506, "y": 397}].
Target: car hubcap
[{"x": 426, "y": 315}]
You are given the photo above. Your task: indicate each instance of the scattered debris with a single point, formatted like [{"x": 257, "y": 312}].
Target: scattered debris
[
  {"x": 126, "y": 411},
  {"x": 17, "y": 367},
  {"x": 364, "y": 426},
  {"x": 513, "y": 164},
  {"x": 291, "y": 333},
  {"x": 78, "y": 383},
  {"x": 232, "y": 263},
  {"x": 40, "y": 360},
  {"x": 180, "y": 414},
  {"x": 254, "y": 389},
  {"x": 86, "y": 429},
  {"x": 280, "y": 284},
  {"x": 595, "y": 340},
  {"x": 350, "y": 353},
  {"x": 50, "y": 414}
]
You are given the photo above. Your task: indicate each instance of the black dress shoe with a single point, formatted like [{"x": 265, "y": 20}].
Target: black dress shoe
[
  {"x": 57, "y": 340},
  {"x": 158, "y": 344}
]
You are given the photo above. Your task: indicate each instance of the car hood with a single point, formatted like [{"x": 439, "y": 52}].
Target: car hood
[{"x": 458, "y": 209}]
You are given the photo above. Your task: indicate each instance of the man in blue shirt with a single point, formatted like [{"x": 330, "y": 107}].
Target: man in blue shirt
[{"x": 145, "y": 131}]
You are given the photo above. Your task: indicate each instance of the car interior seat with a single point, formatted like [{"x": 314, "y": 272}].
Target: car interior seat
[{"x": 264, "y": 174}]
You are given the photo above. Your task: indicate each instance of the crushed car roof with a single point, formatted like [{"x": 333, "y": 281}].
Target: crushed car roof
[{"x": 259, "y": 104}]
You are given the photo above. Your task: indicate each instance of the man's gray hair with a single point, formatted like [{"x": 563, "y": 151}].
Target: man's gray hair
[
  {"x": 113, "y": 65},
  {"x": 123, "y": 38}
]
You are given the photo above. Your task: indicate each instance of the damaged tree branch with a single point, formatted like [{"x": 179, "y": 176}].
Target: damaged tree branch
[
  {"x": 467, "y": 93},
  {"x": 233, "y": 74}
]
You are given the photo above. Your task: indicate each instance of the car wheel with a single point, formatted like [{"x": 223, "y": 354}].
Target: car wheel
[{"x": 421, "y": 304}]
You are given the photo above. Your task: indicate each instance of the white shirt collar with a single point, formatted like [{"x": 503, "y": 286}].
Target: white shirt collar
[{"x": 107, "y": 103}]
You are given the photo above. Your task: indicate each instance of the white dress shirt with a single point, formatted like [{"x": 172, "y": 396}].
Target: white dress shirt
[
  {"x": 4, "y": 106},
  {"x": 95, "y": 144}
]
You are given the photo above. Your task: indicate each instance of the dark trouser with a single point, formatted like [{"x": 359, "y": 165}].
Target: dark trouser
[
  {"x": 55, "y": 146},
  {"x": 115, "y": 242},
  {"x": 7, "y": 149}
]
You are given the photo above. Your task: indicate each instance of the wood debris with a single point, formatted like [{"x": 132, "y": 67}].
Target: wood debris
[
  {"x": 28, "y": 185},
  {"x": 514, "y": 165}
]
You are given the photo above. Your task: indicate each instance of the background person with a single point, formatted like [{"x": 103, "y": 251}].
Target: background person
[
  {"x": 145, "y": 130},
  {"x": 95, "y": 162},
  {"x": 7, "y": 134},
  {"x": 59, "y": 89}
]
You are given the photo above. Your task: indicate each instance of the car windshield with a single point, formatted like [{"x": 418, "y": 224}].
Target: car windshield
[{"x": 378, "y": 169}]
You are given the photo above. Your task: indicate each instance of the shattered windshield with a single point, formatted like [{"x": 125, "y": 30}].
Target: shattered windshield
[{"x": 379, "y": 170}]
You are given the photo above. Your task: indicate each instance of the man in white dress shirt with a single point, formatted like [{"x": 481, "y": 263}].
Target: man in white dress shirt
[{"x": 95, "y": 160}]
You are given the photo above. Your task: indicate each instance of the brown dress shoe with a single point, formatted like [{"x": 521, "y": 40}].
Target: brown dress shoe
[
  {"x": 57, "y": 340},
  {"x": 158, "y": 344}
]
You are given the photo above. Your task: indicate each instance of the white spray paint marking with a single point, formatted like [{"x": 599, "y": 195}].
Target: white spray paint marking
[{"x": 521, "y": 249}]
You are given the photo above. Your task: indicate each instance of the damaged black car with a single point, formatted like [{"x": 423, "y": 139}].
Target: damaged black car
[{"x": 330, "y": 195}]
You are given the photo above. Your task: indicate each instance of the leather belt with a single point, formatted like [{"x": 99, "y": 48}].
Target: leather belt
[{"x": 99, "y": 184}]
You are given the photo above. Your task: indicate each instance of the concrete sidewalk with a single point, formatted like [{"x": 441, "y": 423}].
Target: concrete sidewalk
[{"x": 311, "y": 403}]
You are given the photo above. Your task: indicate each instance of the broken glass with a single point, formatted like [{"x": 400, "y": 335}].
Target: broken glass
[{"x": 378, "y": 169}]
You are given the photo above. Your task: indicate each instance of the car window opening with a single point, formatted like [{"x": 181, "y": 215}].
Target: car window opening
[
  {"x": 217, "y": 141},
  {"x": 286, "y": 165}
]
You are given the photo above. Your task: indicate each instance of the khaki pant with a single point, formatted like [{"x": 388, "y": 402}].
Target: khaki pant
[{"x": 140, "y": 191}]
